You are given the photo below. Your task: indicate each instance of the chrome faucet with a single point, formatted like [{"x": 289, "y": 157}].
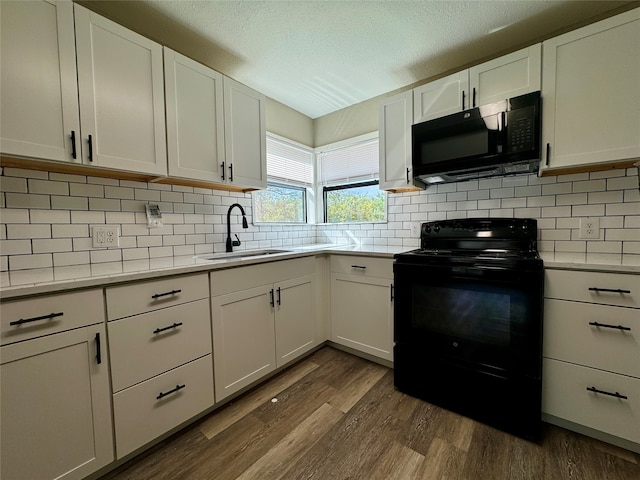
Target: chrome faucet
[{"x": 234, "y": 243}]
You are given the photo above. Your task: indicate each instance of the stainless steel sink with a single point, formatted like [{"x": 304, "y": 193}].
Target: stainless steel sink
[{"x": 242, "y": 254}]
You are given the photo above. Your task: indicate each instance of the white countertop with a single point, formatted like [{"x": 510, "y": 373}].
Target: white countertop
[{"x": 55, "y": 279}]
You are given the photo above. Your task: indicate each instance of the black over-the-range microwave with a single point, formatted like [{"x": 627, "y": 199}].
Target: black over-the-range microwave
[{"x": 496, "y": 139}]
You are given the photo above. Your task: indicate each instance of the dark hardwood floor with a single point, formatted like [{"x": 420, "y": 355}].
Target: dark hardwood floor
[{"x": 337, "y": 416}]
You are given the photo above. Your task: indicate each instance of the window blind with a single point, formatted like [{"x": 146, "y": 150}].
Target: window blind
[
  {"x": 350, "y": 163},
  {"x": 289, "y": 163}
]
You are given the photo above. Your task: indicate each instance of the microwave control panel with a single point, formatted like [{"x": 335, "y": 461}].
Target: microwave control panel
[{"x": 521, "y": 130}]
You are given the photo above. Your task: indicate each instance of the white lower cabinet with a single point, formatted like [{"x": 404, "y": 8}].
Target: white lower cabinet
[
  {"x": 362, "y": 304},
  {"x": 55, "y": 397},
  {"x": 147, "y": 410},
  {"x": 591, "y": 350},
  {"x": 160, "y": 346},
  {"x": 263, "y": 317}
]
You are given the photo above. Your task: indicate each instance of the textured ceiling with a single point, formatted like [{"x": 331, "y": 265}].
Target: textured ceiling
[{"x": 320, "y": 56}]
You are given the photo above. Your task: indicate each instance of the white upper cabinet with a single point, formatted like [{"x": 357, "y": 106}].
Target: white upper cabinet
[
  {"x": 245, "y": 136},
  {"x": 195, "y": 119},
  {"x": 591, "y": 94},
  {"x": 396, "y": 117},
  {"x": 38, "y": 87},
  {"x": 441, "y": 97},
  {"x": 508, "y": 76},
  {"x": 120, "y": 83}
]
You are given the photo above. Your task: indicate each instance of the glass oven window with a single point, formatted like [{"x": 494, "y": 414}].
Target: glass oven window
[{"x": 486, "y": 314}]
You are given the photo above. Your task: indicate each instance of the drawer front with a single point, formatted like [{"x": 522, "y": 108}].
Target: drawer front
[
  {"x": 244, "y": 278},
  {"x": 34, "y": 317},
  {"x": 570, "y": 335},
  {"x": 140, "y": 416},
  {"x": 565, "y": 395},
  {"x": 131, "y": 299},
  {"x": 365, "y": 266},
  {"x": 594, "y": 287},
  {"x": 149, "y": 344}
]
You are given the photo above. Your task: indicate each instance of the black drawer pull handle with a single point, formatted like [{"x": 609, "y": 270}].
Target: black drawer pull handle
[
  {"x": 605, "y": 325},
  {"x": 231, "y": 172},
  {"x": 361, "y": 267},
  {"x": 170, "y": 327},
  {"x": 391, "y": 291},
  {"x": 616, "y": 394},
  {"x": 548, "y": 154},
  {"x": 90, "y": 156},
  {"x": 222, "y": 170},
  {"x": 272, "y": 301},
  {"x": 279, "y": 297},
  {"x": 98, "y": 349},
  {"x": 173, "y": 390},
  {"x": 158, "y": 295},
  {"x": 609, "y": 290},
  {"x": 35, "y": 319}
]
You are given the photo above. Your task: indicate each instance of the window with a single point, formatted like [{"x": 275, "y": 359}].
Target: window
[
  {"x": 348, "y": 174},
  {"x": 289, "y": 179}
]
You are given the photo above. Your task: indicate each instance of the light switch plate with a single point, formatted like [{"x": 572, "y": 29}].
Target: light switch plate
[
  {"x": 589, "y": 228},
  {"x": 105, "y": 236}
]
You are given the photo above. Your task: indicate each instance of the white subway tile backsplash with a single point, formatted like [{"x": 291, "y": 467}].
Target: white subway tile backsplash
[
  {"x": 71, "y": 258},
  {"x": 47, "y": 187},
  {"x": 52, "y": 245},
  {"x": 69, "y": 203},
  {"x": 26, "y": 262},
  {"x": 26, "y": 200},
  {"x": 622, "y": 183},
  {"x": 86, "y": 190},
  {"x": 195, "y": 218},
  {"x": 18, "y": 231},
  {"x": 13, "y": 184},
  {"x": 11, "y": 215}
]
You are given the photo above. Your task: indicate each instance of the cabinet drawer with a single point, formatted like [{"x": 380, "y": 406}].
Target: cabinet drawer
[
  {"x": 570, "y": 336},
  {"x": 594, "y": 287},
  {"x": 152, "y": 343},
  {"x": 565, "y": 395},
  {"x": 131, "y": 299},
  {"x": 140, "y": 416},
  {"x": 34, "y": 317},
  {"x": 366, "y": 266},
  {"x": 244, "y": 278}
]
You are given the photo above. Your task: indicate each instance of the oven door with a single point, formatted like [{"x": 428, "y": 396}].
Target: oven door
[{"x": 477, "y": 316}]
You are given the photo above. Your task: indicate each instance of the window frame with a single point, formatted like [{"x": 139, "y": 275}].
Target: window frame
[{"x": 347, "y": 186}]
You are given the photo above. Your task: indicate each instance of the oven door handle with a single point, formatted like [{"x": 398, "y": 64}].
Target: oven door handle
[{"x": 486, "y": 267}]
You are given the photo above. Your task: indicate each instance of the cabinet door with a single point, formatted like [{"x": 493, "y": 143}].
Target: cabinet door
[
  {"x": 295, "y": 318},
  {"x": 245, "y": 136},
  {"x": 38, "y": 86},
  {"x": 56, "y": 410},
  {"x": 591, "y": 98},
  {"x": 243, "y": 338},
  {"x": 396, "y": 118},
  {"x": 508, "y": 76},
  {"x": 441, "y": 97},
  {"x": 120, "y": 83},
  {"x": 195, "y": 119},
  {"x": 361, "y": 314}
]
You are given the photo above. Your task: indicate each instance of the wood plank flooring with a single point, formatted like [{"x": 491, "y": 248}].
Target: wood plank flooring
[{"x": 337, "y": 416}]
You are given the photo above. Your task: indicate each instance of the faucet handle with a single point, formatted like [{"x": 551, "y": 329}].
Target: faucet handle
[{"x": 236, "y": 243}]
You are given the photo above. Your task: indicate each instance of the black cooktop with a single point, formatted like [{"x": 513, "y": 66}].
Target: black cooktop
[{"x": 476, "y": 239}]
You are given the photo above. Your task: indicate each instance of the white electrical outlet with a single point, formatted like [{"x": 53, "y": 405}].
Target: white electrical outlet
[
  {"x": 415, "y": 229},
  {"x": 589, "y": 228},
  {"x": 105, "y": 236}
]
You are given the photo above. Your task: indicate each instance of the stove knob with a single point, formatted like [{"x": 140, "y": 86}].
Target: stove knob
[
  {"x": 436, "y": 228},
  {"x": 427, "y": 229}
]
